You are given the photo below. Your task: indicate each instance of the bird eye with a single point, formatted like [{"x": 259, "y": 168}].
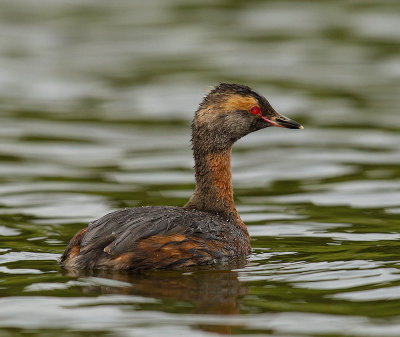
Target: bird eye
[{"x": 255, "y": 110}]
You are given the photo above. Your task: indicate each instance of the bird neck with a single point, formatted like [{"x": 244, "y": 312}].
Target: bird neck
[{"x": 214, "y": 191}]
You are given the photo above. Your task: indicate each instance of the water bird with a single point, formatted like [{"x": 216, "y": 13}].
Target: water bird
[{"x": 208, "y": 228}]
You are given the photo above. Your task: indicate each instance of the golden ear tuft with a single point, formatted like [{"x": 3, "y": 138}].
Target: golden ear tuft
[{"x": 239, "y": 102}]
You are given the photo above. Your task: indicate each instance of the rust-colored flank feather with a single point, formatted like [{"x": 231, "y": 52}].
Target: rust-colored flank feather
[{"x": 208, "y": 229}]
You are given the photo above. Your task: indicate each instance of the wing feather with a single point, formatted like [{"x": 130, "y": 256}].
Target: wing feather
[{"x": 125, "y": 228}]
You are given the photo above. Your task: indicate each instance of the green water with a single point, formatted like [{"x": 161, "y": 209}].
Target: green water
[{"x": 96, "y": 99}]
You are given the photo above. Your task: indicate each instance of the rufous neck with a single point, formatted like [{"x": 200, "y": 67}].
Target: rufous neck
[{"x": 214, "y": 191}]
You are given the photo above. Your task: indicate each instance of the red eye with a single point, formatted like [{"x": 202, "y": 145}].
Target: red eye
[{"x": 255, "y": 110}]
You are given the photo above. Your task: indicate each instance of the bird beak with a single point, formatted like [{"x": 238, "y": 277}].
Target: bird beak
[{"x": 283, "y": 122}]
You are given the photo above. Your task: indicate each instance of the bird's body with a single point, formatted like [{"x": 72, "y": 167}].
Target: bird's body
[
  {"x": 208, "y": 229},
  {"x": 166, "y": 237}
]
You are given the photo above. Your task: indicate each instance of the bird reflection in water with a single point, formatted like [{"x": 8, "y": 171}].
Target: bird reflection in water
[{"x": 209, "y": 291}]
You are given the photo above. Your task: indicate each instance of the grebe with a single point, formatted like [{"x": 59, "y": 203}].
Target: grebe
[{"x": 206, "y": 230}]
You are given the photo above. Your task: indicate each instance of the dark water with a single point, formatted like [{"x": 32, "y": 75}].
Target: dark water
[{"x": 96, "y": 99}]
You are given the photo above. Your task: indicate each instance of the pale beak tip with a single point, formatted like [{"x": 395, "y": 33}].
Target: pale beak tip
[{"x": 301, "y": 127}]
